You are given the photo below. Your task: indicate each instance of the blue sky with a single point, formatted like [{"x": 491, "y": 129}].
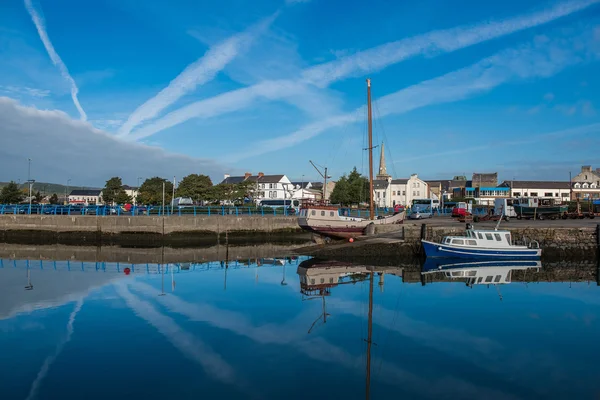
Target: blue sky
[{"x": 120, "y": 87}]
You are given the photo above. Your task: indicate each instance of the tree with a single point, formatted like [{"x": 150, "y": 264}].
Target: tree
[
  {"x": 235, "y": 193},
  {"x": 38, "y": 197},
  {"x": 152, "y": 189},
  {"x": 114, "y": 193},
  {"x": 11, "y": 194},
  {"x": 197, "y": 187},
  {"x": 351, "y": 189},
  {"x": 54, "y": 199}
]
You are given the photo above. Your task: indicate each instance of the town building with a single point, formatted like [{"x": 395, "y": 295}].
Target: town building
[
  {"x": 388, "y": 192},
  {"x": 586, "y": 184},
  {"x": 132, "y": 192},
  {"x": 85, "y": 197},
  {"x": 272, "y": 187},
  {"x": 482, "y": 189},
  {"x": 557, "y": 190}
]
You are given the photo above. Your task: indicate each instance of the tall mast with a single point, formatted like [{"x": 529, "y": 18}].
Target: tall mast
[{"x": 370, "y": 121}]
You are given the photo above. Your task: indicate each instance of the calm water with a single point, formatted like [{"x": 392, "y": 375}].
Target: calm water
[{"x": 293, "y": 328}]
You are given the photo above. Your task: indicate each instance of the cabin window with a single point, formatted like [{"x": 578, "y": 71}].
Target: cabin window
[
  {"x": 534, "y": 194},
  {"x": 471, "y": 273},
  {"x": 447, "y": 240},
  {"x": 472, "y": 242},
  {"x": 508, "y": 237},
  {"x": 489, "y": 236},
  {"x": 322, "y": 213},
  {"x": 546, "y": 194},
  {"x": 322, "y": 280},
  {"x": 497, "y": 279},
  {"x": 331, "y": 213},
  {"x": 313, "y": 212},
  {"x": 312, "y": 281},
  {"x": 480, "y": 279},
  {"x": 479, "y": 235},
  {"x": 497, "y": 236},
  {"x": 330, "y": 280},
  {"x": 458, "y": 241},
  {"x": 488, "y": 279}
]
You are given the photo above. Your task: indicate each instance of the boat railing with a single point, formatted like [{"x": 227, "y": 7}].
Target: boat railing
[{"x": 534, "y": 244}]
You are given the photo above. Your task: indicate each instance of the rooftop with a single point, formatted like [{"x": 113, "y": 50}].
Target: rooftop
[{"x": 536, "y": 184}]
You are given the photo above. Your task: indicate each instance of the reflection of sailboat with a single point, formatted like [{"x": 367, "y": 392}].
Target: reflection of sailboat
[
  {"x": 478, "y": 272},
  {"x": 318, "y": 277}
]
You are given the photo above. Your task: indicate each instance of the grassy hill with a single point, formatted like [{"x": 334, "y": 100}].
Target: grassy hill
[{"x": 48, "y": 188}]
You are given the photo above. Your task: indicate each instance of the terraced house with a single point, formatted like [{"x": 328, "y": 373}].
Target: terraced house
[{"x": 586, "y": 184}]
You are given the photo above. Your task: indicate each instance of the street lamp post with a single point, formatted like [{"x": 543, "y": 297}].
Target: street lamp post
[
  {"x": 29, "y": 181},
  {"x": 67, "y": 192}
]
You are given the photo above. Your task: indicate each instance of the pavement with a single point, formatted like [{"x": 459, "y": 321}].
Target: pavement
[{"x": 513, "y": 223}]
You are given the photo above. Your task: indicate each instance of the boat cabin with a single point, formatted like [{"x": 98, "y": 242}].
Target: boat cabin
[{"x": 481, "y": 238}]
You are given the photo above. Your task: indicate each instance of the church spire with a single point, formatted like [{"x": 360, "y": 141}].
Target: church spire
[{"x": 382, "y": 168}]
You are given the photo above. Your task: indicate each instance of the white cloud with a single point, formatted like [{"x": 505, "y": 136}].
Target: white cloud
[
  {"x": 56, "y": 60},
  {"x": 373, "y": 59},
  {"x": 24, "y": 90},
  {"x": 539, "y": 59},
  {"x": 198, "y": 73},
  {"x": 63, "y": 148}
]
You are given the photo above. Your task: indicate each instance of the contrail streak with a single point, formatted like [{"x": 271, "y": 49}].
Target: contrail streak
[{"x": 56, "y": 60}]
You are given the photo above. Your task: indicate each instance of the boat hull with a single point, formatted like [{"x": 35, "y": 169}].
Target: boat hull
[
  {"x": 438, "y": 250},
  {"x": 344, "y": 228},
  {"x": 525, "y": 210}
]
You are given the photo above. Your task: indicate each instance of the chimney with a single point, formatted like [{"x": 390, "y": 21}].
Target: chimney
[
  {"x": 247, "y": 175},
  {"x": 260, "y": 174},
  {"x": 226, "y": 176},
  {"x": 586, "y": 168}
]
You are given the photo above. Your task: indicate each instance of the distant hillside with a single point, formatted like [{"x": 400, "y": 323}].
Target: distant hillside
[{"x": 49, "y": 188}]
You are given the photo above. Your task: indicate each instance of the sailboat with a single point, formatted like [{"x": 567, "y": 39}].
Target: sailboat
[{"x": 325, "y": 219}]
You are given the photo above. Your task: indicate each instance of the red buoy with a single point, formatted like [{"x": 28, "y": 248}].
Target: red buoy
[{"x": 351, "y": 240}]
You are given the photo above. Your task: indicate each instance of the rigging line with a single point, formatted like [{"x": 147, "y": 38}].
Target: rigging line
[{"x": 389, "y": 147}]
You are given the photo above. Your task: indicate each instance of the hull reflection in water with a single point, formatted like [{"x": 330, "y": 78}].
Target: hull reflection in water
[{"x": 478, "y": 272}]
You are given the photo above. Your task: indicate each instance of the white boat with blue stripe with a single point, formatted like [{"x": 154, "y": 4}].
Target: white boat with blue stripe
[{"x": 481, "y": 243}]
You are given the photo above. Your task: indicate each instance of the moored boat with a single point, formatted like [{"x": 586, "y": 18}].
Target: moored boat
[
  {"x": 478, "y": 272},
  {"x": 326, "y": 220},
  {"x": 481, "y": 243}
]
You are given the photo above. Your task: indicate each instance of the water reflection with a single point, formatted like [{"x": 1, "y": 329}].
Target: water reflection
[{"x": 221, "y": 330}]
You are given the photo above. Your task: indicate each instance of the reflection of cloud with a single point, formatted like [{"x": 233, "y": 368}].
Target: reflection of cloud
[
  {"x": 438, "y": 337},
  {"x": 318, "y": 349},
  {"x": 190, "y": 346},
  {"x": 48, "y": 362}
]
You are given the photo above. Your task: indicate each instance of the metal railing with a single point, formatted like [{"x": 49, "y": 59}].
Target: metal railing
[{"x": 103, "y": 210}]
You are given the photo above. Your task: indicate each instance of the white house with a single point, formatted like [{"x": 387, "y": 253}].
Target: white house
[
  {"x": 85, "y": 197},
  {"x": 389, "y": 192},
  {"x": 132, "y": 192},
  {"x": 272, "y": 187}
]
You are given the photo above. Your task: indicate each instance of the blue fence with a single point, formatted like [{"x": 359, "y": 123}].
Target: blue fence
[{"x": 46, "y": 209}]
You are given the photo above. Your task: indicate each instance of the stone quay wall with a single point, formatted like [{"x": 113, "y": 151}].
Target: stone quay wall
[{"x": 88, "y": 229}]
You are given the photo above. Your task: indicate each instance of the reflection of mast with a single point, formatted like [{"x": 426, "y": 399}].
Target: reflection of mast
[
  {"x": 162, "y": 280},
  {"x": 323, "y": 314},
  {"x": 369, "y": 337}
]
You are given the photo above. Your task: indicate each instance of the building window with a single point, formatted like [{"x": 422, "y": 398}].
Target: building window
[
  {"x": 322, "y": 213},
  {"x": 384, "y": 195},
  {"x": 418, "y": 193},
  {"x": 394, "y": 193},
  {"x": 313, "y": 212},
  {"x": 547, "y": 194},
  {"x": 534, "y": 194},
  {"x": 331, "y": 213},
  {"x": 414, "y": 193},
  {"x": 404, "y": 193}
]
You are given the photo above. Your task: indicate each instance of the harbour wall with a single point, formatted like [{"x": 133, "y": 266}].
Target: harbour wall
[
  {"x": 556, "y": 242},
  {"x": 86, "y": 229}
]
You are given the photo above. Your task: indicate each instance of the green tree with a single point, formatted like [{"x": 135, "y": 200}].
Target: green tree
[
  {"x": 351, "y": 189},
  {"x": 151, "y": 191},
  {"x": 37, "y": 197},
  {"x": 11, "y": 194},
  {"x": 197, "y": 187},
  {"x": 113, "y": 192},
  {"x": 54, "y": 199},
  {"x": 234, "y": 193}
]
